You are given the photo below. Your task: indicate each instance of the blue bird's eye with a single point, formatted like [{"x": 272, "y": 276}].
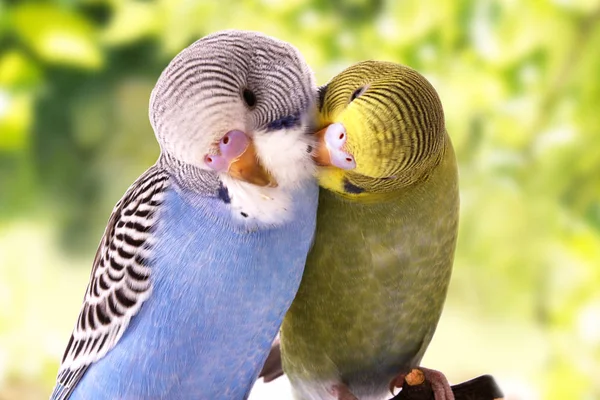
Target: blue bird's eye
[{"x": 249, "y": 97}]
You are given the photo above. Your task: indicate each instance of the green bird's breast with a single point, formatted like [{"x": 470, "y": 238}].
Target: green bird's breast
[{"x": 374, "y": 284}]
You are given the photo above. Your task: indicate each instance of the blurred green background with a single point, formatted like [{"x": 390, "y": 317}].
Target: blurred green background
[{"x": 520, "y": 82}]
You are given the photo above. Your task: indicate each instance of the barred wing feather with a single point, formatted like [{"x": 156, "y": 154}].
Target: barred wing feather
[{"x": 119, "y": 282}]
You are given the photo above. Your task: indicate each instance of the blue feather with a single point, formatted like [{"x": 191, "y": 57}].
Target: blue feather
[{"x": 219, "y": 296}]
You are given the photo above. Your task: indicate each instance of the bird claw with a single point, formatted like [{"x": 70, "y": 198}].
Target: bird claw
[
  {"x": 397, "y": 382},
  {"x": 439, "y": 384}
]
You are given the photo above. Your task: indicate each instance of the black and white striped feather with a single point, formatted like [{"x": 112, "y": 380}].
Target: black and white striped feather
[{"x": 120, "y": 279}]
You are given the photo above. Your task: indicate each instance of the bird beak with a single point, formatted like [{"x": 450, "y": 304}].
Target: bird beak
[
  {"x": 247, "y": 167},
  {"x": 321, "y": 154},
  {"x": 330, "y": 143}
]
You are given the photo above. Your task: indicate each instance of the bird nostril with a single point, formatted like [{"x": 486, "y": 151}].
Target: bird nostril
[
  {"x": 348, "y": 159},
  {"x": 215, "y": 162},
  {"x": 341, "y": 136},
  {"x": 226, "y": 140}
]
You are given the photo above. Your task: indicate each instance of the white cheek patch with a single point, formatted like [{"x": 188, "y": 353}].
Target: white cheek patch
[
  {"x": 258, "y": 206},
  {"x": 285, "y": 153}
]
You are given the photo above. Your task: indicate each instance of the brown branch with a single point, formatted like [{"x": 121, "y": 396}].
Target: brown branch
[{"x": 483, "y": 387}]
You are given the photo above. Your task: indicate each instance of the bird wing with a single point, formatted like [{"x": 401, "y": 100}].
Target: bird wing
[{"x": 120, "y": 279}]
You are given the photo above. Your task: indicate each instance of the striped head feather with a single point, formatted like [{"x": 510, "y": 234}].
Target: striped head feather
[
  {"x": 238, "y": 81},
  {"x": 395, "y": 127}
]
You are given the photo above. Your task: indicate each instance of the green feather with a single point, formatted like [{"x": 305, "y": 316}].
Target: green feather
[{"x": 375, "y": 283}]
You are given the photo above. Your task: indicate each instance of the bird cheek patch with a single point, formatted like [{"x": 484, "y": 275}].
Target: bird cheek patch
[{"x": 349, "y": 187}]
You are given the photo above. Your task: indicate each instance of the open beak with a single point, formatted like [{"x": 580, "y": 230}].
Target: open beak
[
  {"x": 247, "y": 167},
  {"x": 330, "y": 143}
]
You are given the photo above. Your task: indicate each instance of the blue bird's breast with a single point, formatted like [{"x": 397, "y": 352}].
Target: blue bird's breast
[{"x": 219, "y": 296}]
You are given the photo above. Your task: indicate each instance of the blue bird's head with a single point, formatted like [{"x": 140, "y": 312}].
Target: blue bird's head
[{"x": 237, "y": 106}]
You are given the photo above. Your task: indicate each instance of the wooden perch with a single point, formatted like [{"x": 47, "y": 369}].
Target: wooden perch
[{"x": 415, "y": 387}]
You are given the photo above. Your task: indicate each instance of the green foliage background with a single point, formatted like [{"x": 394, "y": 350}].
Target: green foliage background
[{"x": 521, "y": 89}]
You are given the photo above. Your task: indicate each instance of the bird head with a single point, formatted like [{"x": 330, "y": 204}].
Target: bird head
[
  {"x": 237, "y": 104},
  {"x": 381, "y": 129}
]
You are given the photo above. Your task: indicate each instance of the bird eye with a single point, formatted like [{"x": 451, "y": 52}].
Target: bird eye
[
  {"x": 358, "y": 92},
  {"x": 249, "y": 97}
]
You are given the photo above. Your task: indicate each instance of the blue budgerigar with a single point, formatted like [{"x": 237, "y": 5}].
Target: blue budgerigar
[{"x": 204, "y": 253}]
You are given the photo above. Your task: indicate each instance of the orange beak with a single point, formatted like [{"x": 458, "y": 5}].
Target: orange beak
[
  {"x": 248, "y": 168},
  {"x": 321, "y": 154}
]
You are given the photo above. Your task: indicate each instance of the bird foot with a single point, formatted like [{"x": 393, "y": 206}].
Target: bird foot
[
  {"x": 416, "y": 386},
  {"x": 436, "y": 381},
  {"x": 342, "y": 392}
]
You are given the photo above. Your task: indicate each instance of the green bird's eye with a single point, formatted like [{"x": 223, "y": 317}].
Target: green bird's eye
[{"x": 358, "y": 92}]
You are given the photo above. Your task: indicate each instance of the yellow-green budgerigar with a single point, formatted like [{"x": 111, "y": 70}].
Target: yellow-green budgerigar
[{"x": 376, "y": 279}]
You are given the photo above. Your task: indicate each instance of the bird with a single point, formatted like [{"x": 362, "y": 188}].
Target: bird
[
  {"x": 376, "y": 279},
  {"x": 203, "y": 254}
]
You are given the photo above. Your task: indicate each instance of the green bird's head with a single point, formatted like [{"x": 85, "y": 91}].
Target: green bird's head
[{"x": 381, "y": 129}]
